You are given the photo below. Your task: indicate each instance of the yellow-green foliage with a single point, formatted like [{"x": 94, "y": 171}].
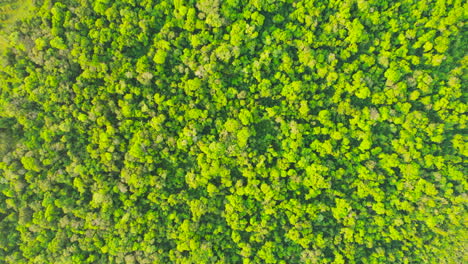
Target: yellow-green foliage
[
  {"x": 11, "y": 12},
  {"x": 234, "y": 131}
]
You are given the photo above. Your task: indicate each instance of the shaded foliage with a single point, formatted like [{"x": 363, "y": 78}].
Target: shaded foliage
[{"x": 234, "y": 131}]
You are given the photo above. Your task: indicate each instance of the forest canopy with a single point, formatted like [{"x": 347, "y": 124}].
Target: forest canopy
[{"x": 233, "y": 131}]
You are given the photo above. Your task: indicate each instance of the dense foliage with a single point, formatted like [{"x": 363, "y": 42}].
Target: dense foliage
[{"x": 234, "y": 131}]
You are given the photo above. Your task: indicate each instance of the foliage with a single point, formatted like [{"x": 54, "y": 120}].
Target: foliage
[{"x": 234, "y": 131}]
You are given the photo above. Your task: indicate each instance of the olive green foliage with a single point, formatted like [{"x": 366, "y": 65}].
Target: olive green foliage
[
  {"x": 7, "y": 137},
  {"x": 12, "y": 11},
  {"x": 235, "y": 131}
]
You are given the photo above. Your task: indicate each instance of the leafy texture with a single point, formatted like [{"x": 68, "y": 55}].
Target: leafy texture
[{"x": 234, "y": 131}]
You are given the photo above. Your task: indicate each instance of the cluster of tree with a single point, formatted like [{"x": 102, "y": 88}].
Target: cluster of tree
[{"x": 260, "y": 131}]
